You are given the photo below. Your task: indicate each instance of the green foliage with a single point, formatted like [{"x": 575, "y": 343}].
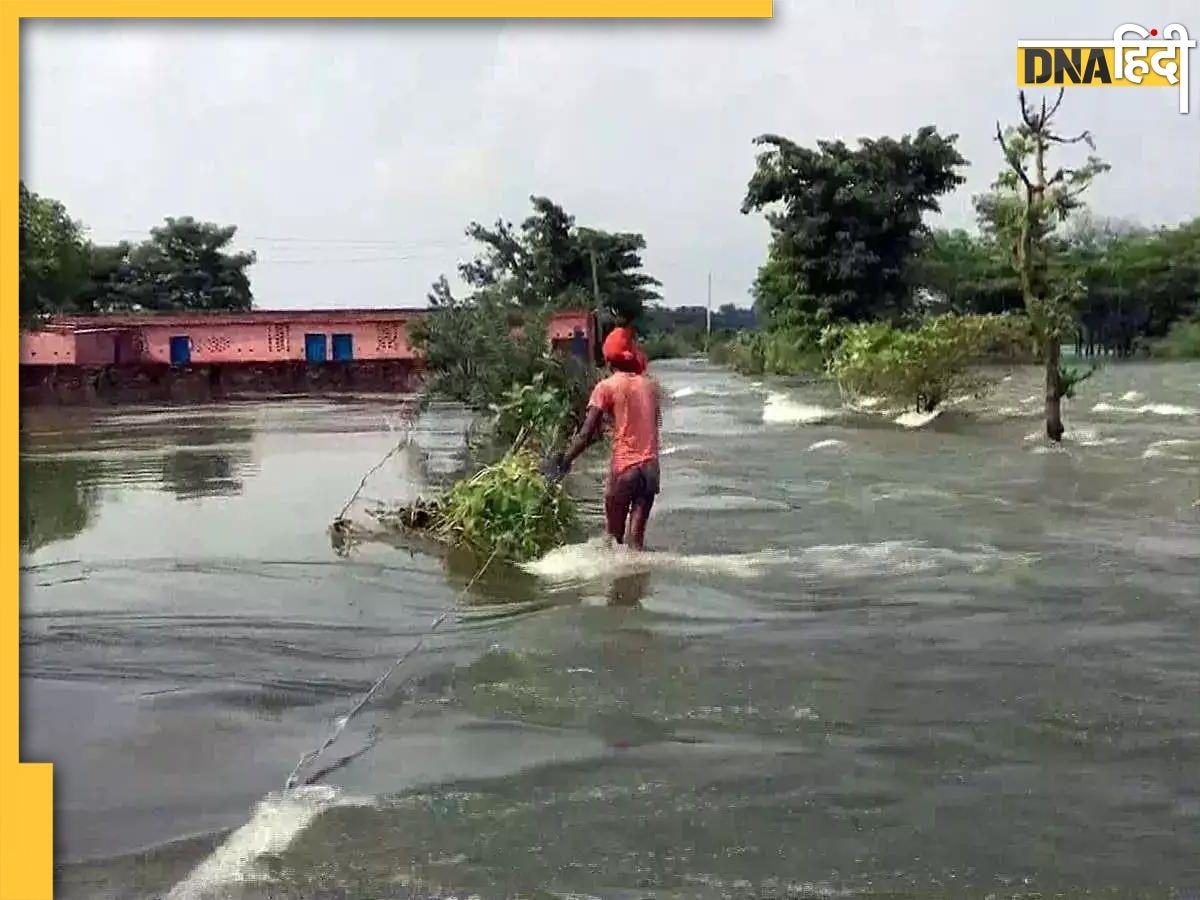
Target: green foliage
[
  {"x": 782, "y": 351},
  {"x": 507, "y": 508},
  {"x": 547, "y": 263},
  {"x": 495, "y": 359},
  {"x": 1181, "y": 342},
  {"x": 538, "y": 415},
  {"x": 920, "y": 366},
  {"x": 1026, "y": 209},
  {"x": 845, "y": 222},
  {"x": 1069, "y": 377},
  {"x": 673, "y": 344},
  {"x": 966, "y": 273},
  {"x": 185, "y": 265},
  {"x": 53, "y": 255}
]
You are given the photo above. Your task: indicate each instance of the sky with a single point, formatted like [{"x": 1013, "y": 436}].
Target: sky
[{"x": 352, "y": 155}]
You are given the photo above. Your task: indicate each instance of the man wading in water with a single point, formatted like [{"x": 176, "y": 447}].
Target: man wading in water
[{"x": 631, "y": 400}]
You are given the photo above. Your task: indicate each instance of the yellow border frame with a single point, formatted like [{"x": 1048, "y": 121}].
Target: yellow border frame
[{"x": 26, "y": 811}]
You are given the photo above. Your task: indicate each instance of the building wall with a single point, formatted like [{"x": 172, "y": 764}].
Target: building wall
[
  {"x": 98, "y": 348},
  {"x": 47, "y": 348},
  {"x": 253, "y": 340},
  {"x": 276, "y": 342}
]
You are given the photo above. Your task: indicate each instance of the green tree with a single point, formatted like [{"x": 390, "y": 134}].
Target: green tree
[
  {"x": 845, "y": 222},
  {"x": 1025, "y": 210},
  {"x": 547, "y": 263},
  {"x": 53, "y": 257},
  {"x": 966, "y": 273},
  {"x": 185, "y": 265}
]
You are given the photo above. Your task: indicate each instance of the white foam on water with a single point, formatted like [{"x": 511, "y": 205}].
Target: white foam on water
[
  {"x": 722, "y": 503},
  {"x": 1132, "y": 396},
  {"x": 830, "y": 444},
  {"x": 866, "y": 403},
  {"x": 912, "y": 419},
  {"x": 782, "y": 409},
  {"x": 1089, "y": 437},
  {"x": 598, "y": 558},
  {"x": 683, "y": 392},
  {"x": 891, "y": 558},
  {"x": 1160, "y": 449},
  {"x": 671, "y": 450},
  {"x": 276, "y": 822},
  {"x": 1157, "y": 409}
]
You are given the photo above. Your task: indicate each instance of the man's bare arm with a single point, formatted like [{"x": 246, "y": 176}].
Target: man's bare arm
[{"x": 588, "y": 432}]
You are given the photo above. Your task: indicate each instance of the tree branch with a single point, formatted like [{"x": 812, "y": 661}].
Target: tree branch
[
  {"x": 1026, "y": 112},
  {"x": 1057, "y": 104},
  {"x": 1085, "y": 136},
  {"x": 1011, "y": 157}
]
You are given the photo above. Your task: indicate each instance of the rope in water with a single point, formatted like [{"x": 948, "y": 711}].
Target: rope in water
[{"x": 341, "y": 723}]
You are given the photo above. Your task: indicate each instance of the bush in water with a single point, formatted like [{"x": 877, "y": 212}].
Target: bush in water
[
  {"x": 919, "y": 366},
  {"x": 782, "y": 351},
  {"x": 1181, "y": 342}
]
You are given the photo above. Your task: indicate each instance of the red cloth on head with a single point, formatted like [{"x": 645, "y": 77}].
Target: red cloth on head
[{"x": 620, "y": 348}]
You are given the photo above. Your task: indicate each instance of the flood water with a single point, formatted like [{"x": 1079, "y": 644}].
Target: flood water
[{"x": 862, "y": 660}]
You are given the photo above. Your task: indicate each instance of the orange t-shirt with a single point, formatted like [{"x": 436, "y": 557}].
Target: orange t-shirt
[{"x": 633, "y": 404}]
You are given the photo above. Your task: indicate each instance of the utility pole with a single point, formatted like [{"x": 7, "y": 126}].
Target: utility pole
[
  {"x": 708, "y": 315},
  {"x": 595, "y": 285}
]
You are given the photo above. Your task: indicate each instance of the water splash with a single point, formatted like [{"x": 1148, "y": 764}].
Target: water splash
[
  {"x": 276, "y": 821},
  {"x": 915, "y": 419},
  {"x": 782, "y": 409}
]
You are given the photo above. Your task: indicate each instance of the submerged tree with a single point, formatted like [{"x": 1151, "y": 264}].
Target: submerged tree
[
  {"x": 845, "y": 223},
  {"x": 1026, "y": 206}
]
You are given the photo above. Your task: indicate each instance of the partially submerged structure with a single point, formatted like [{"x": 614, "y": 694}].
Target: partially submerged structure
[{"x": 201, "y": 356}]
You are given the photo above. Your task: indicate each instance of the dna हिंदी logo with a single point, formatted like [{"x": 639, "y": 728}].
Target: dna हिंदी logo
[{"x": 1135, "y": 57}]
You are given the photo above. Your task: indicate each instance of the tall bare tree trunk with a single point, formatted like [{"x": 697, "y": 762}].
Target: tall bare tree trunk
[{"x": 1054, "y": 422}]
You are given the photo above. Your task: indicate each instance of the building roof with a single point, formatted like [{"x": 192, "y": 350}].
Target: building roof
[
  {"x": 253, "y": 316},
  {"x": 225, "y": 317}
]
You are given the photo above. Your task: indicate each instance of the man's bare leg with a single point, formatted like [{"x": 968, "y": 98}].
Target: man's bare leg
[
  {"x": 638, "y": 517},
  {"x": 616, "y": 512}
]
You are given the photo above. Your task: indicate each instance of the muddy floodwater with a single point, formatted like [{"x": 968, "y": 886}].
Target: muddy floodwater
[{"x": 863, "y": 659}]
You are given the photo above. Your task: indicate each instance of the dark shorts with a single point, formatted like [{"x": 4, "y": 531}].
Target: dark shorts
[
  {"x": 634, "y": 487},
  {"x": 640, "y": 482}
]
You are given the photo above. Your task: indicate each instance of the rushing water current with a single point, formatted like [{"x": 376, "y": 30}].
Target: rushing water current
[{"x": 864, "y": 658}]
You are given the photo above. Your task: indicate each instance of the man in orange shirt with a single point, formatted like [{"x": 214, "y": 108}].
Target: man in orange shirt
[{"x": 631, "y": 400}]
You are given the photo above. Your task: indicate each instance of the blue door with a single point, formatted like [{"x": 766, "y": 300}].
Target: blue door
[
  {"x": 181, "y": 350},
  {"x": 314, "y": 348},
  {"x": 343, "y": 347}
]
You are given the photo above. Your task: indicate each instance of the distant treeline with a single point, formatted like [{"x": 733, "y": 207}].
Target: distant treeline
[{"x": 683, "y": 330}]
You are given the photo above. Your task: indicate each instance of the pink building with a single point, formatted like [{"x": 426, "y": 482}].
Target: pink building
[
  {"x": 200, "y": 356},
  {"x": 259, "y": 336}
]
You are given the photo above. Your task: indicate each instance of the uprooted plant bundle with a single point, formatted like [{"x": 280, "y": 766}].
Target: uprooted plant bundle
[{"x": 505, "y": 508}]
